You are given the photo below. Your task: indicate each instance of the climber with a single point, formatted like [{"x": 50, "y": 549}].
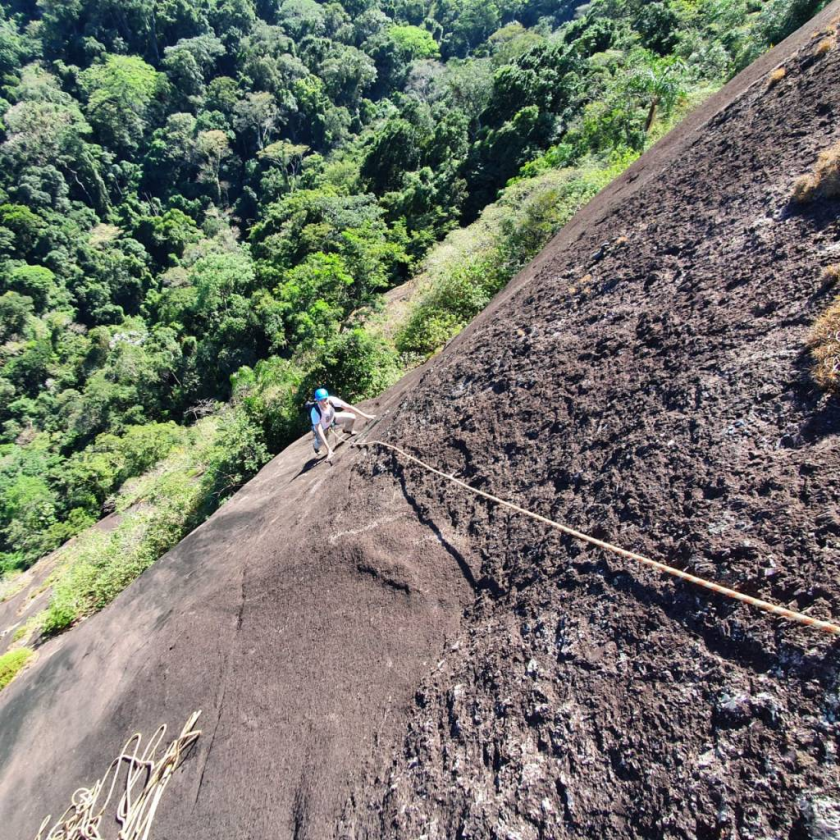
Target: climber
[{"x": 324, "y": 417}]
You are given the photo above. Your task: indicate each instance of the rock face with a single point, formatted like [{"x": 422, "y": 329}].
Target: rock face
[
  {"x": 379, "y": 655},
  {"x": 645, "y": 381}
]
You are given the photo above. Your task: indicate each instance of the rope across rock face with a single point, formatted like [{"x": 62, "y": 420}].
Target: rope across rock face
[
  {"x": 145, "y": 782},
  {"x": 775, "y": 609}
]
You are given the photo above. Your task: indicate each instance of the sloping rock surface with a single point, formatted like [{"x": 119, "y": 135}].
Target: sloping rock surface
[{"x": 378, "y": 654}]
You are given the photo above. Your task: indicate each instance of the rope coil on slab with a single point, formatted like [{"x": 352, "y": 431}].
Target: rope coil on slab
[
  {"x": 775, "y": 609},
  {"x": 136, "y": 809}
]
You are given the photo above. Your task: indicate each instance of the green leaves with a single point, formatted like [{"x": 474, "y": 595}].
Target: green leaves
[
  {"x": 218, "y": 280},
  {"x": 414, "y": 42},
  {"x": 301, "y": 17},
  {"x": 120, "y": 92},
  {"x": 213, "y": 148},
  {"x": 35, "y": 282},
  {"x": 315, "y": 299},
  {"x": 357, "y": 364},
  {"x": 325, "y": 256},
  {"x": 89, "y": 477},
  {"x": 257, "y": 116},
  {"x": 11, "y": 662},
  {"x": 27, "y": 503},
  {"x": 166, "y": 236},
  {"x": 395, "y": 150},
  {"x": 240, "y": 452},
  {"x": 15, "y": 311},
  {"x": 456, "y": 298},
  {"x": 466, "y": 23}
]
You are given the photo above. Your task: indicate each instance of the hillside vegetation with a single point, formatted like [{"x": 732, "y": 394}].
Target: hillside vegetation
[{"x": 201, "y": 204}]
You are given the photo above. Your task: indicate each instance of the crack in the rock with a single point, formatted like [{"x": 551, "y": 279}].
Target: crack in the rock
[
  {"x": 225, "y": 671},
  {"x": 210, "y": 748},
  {"x": 241, "y": 600},
  {"x": 425, "y": 518},
  {"x": 299, "y": 812}
]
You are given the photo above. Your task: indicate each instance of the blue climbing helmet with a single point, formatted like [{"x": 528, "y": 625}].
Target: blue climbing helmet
[{"x": 321, "y": 394}]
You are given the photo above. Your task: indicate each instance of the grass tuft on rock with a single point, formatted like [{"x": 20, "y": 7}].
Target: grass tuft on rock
[
  {"x": 824, "y": 340},
  {"x": 825, "y": 46},
  {"x": 11, "y": 663},
  {"x": 776, "y": 76},
  {"x": 824, "y": 182}
]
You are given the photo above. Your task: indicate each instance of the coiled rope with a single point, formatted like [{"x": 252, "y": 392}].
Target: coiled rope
[
  {"x": 145, "y": 783},
  {"x": 775, "y": 609}
]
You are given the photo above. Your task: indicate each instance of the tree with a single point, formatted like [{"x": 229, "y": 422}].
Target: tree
[
  {"x": 191, "y": 61},
  {"x": 370, "y": 23},
  {"x": 176, "y": 19},
  {"x": 167, "y": 235},
  {"x": 424, "y": 79},
  {"x": 309, "y": 222},
  {"x": 170, "y": 154},
  {"x": 778, "y": 18},
  {"x": 347, "y": 73},
  {"x": 338, "y": 25},
  {"x": 314, "y": 299},
  {"x": 468, "y": 86},
  {"x": 27, "y": 510},
  {"x": 222, "y": 94},
  {"x": 394, "y": 151},
  {"x": 500, "y": 152},
  {"x": 213, "y": 148},
  {"x": 414, "y": 43},
  {"x": 657, "y": 23},
  {"x": 259, "y": 115},
  {"x": 15, "y": 311},
  {"x": 217, "y": 280},
  {"x": 429, "y": 202},
  {"x": 310, "y": 124},
  {"x": 512, "y": 41},
  {"x": 546, "y": 76},
  {"x": 46, "y": 128},
  {"x": 466, "y": 24},
  {"x": 28, "y": 370},
  {"x": 661, "y": 81},
  {"x": 35, "y": 282},
  {"x": 285, "y": 157},
  {"x": 120, "y": 94},
  {"x": 260, "y": 54},
  {"x": 26, "y": 226},
  {"x": 117, "y": 275},
  {"x": 232, "y": 20},
  {"x": 42, "y": 125},
  {"x": 356, "y": 363},
  {"x": 394, "y": 48},
  {"x": 12, "y": 48},
  {"x": 301, "y": 17}
]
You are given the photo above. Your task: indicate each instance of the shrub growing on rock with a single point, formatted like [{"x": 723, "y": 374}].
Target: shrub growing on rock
[
  {"x": 824, "y": 182},
  {"x": 825, "y": 340},
  {"x": 11, "y": 663}
]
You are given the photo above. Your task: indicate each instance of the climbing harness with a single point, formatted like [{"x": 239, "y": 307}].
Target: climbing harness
[
  {"x": 784, "y": 612},
  {"x": 145, "y": 783}
]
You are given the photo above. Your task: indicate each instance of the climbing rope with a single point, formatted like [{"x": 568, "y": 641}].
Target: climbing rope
[
  {"x": 146, "y": 780},
  {"x": 775, "y": 609}
]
